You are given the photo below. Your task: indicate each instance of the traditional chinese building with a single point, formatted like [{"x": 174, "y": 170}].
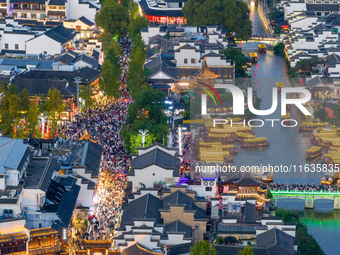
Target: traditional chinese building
[
  {"x": 242, "y": 187},
  {"x": 164, "y": 12}
]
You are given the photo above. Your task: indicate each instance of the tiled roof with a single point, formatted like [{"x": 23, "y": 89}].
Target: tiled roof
[
  {"x": 60, "y": 34},
  {"x": 145, "y": 207},
  {"x": 12, "y": 152},
  {"x": 156, "y": 157}
]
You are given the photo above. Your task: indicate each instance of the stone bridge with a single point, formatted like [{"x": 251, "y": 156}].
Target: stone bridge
[{"x": 308, "y": 196}]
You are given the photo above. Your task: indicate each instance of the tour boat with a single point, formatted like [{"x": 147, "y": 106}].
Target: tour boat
[
  {"x": 254, "y": 142},
  {"x": 313, "y": 152},
  {"x": 262, "y": 48},
  {"x": 253, "y": 57},
  {"x": 285, "y": 118},
  {"x": 310, "y": 126},
  {"x": 280, "y": 85},
  {"x": 241, "y": 136}
]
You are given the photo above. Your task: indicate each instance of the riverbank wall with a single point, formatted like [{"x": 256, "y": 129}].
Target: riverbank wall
[{"x": 263, "y": 10}]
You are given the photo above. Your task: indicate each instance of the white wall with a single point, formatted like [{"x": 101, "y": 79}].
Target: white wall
[
  {"x": 148, "y": 176},
  {"x": 85, "y": 195},
  {"x": 42, "y": 44},
  {"x": 74, "y": 24},
  {"x": 81, "y": 64},
  {"x": 217, "y": 61},
  {"x": 31, "y": 199},
  {"x": 188, "y": 54},
  {"x": 12, "y": 177},
  {"x": 75, "y": 10},
  {"x": 14, "y": 207},
  {"x": 303, "y": 23},
  {"x": 13, "y": 39},
  {"x": 7, "y": 227}
]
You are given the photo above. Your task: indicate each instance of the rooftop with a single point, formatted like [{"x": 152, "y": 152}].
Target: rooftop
[{"x": 12, "y": 151}]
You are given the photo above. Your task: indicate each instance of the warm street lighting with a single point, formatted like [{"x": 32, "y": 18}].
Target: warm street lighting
[
  {"x": 43, "y": 118},
  {"x": 143, "y": 133}
]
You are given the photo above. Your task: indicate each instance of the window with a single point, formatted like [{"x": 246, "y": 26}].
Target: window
[
  {"x": 33, "y": 16},
  {"x": 24, "y": 15},
  {"x": 6, "y": 45},
  {"x": 193, "y": 61},
  {"x": 25, "y": 6},
  {"x": 3, "y": 5},
  {"x": 318, "y": 13},
  {"x": 16, "y": 46},
  {"x": 185, "y": 61}
]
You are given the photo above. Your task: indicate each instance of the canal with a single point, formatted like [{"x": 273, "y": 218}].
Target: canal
[{"x": 287, "y": 145}]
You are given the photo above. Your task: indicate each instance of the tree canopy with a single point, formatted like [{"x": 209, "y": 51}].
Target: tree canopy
[
  {"x": 236, "y": 56},
  {"x": 203, "y": 248},
  {"x": 146, "y": 113},
  {"x": 113, "y": 18},
  {"x": 247, "y": 251},
  {"x": 232, "y": 14},
  {"x": 111, "y": 70},
  {"x": 137, "y": 80}
]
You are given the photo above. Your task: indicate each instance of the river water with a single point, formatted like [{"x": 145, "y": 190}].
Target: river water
[{"x": 287, "y": 145}]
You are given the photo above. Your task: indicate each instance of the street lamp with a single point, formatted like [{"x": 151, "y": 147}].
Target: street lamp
[
  {"x": 143, "y": 133},
  {"x": 77, "y": 80},
  {"x": 43, "y": 118}
]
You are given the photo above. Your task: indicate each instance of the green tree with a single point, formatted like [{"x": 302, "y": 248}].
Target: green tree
[
  {"x": 279, "y": 49},
  {"x": 146, "y": 113},
  {"x": 307, "y": 244},
  {"x": 219, "y": 240},
  {"x": 136, "y": 25},
  {"x": 203, "y": 248},
  {"x": 110, "y": 81},
  {"x": 113, "y": 18},
  {"x": 247, "y": 251},
  {"x": 306, "y": 67},
  {"x": 137, "y": 80},
  {"x": 43, "y": 104},
  {"x": 136, "y": 141},
  {"x": 134, "y": 10},
  {"x": 9, "y": 107},
  {"x": 55, "y": 106},
  {"x": 232, "y": 14},
  {"x": 269, "y": 194},
  {"x": 320, "y": 113},
  {"x": 33, "y": 117},
  {"x": 86, "y": 94},
  {"x": 24, "y": 100},
  {"x": 238, "y": 58}
]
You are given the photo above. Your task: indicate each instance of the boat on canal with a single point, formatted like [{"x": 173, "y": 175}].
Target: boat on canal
[
  {"x": 310, "y": 126},
  {"x": 262, "y": 48},
  {"x": 253, "y": 57},
  {"x": 285, "y": 118},
  {"x": 254, "y": 142},
  {"x": 279, "y": 86},
  {"x": 314, "y": 152}
]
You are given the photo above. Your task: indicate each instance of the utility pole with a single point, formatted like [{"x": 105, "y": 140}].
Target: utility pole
[
  {"x": 77, "y": 80},
  {"x": 143, "y": 133}
]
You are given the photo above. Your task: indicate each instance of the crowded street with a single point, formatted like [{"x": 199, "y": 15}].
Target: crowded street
[{"x": 104, "y": 125}]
